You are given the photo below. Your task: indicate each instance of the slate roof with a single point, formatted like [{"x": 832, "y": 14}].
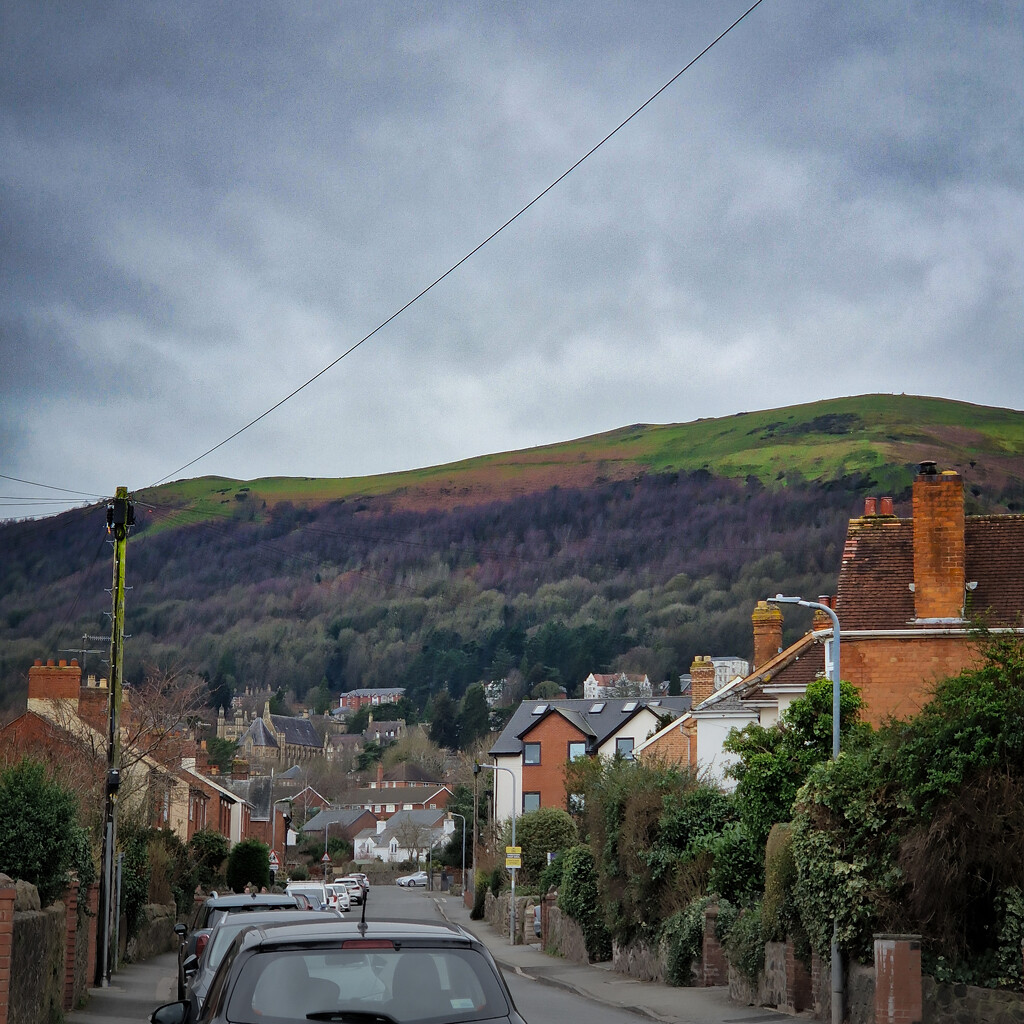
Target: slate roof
[
  {"x": 298, "y": 732},
  {"x": 395, "y": 795},
  {"x": 345, "y": 816},
  {"x": 259, "y": 735},
  {"x": 598, "y": 725},
  {"x": 873, "y": 590},
  {"x": 256, "y": 791}
]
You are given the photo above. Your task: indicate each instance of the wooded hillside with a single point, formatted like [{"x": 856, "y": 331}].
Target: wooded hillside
[{"x": 629, "y": 558}]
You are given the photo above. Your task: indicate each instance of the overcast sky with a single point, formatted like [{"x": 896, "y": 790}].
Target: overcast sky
[{"x": 204, "y": 204}]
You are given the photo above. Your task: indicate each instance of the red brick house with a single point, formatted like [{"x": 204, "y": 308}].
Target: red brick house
[{"x": 909, "y": 597}]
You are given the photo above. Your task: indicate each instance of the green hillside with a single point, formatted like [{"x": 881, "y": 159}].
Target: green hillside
[{"x": 878, "y": 436}]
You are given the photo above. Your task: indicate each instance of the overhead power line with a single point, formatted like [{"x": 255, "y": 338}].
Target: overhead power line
[{"x": 419, "y": 295}]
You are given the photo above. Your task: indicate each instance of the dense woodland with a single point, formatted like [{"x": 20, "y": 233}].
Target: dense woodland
[{"x": 640, "y": 575}]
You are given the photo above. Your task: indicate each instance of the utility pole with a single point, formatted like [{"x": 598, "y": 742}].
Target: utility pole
[{"x": 120, "y": 519}]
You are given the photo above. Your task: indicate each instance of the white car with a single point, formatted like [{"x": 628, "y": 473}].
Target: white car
[
  {"x": 409, "y": 881},
  {"x": 354, "y": 886},
  {"x": 322, "y": 893}
]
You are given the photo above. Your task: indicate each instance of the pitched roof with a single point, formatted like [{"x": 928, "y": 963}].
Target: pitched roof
[
  {"x": 258, "y": 735},
  {"x": 298, "y": 732},
  {"x": 344, "y": 816},
  {"x": 395, "y": 795},
  {"x": 600, "y": 724},
  {"x": 873, "y": 591}
]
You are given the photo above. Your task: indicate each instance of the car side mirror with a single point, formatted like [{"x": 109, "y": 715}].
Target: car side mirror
[{"x": 170, "y": 1013}]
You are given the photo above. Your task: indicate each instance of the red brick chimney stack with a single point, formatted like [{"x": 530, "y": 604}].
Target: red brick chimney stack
[
  {"x": 54, "y": 681},
  {"x": 702, "y": 679},
  {"x": 767, "y": 620},
  {"x": 822, "y": 620},
  {"x": 939, "y": 572}
]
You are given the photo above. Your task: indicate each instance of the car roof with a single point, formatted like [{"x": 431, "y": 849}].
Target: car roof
[
  {"x": 329, "y": 933},
  {"x": 259, "y": 899}
]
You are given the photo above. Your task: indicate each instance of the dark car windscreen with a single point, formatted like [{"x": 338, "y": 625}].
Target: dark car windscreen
[{"x": 411, "y": 984}]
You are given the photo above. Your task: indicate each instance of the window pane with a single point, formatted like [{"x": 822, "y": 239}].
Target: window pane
[
  {"x": 531, "y": 753},
  {"x": 624, "y": 748},
  {"x": 577, "y": 750},
  {"x": 531, "y": 802}
]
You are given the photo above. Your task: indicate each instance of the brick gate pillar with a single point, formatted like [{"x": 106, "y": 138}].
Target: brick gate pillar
[
  {"x": 898, "y": 979},
  {"x": 6, "y": 942},
  {"x": 70, "y": 931}
]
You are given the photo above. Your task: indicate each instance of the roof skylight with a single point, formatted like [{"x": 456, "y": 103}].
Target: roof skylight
[{"x": 596, "y": 709}]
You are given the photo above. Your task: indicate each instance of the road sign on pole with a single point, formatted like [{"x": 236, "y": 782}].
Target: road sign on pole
[{"x": 274, "y": 862}]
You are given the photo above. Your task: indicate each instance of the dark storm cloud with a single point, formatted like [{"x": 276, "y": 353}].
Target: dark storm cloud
[{"x": 206, "y": 204}]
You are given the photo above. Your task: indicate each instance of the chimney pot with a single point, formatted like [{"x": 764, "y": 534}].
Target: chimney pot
[
  {"x": 928, "y": 469},
  {"x": 886, "y": 506},
  {"x": 870, "y": 506}
]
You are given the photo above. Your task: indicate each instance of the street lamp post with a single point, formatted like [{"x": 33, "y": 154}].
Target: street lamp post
[
  {"x": 327, "y": 856},
  {"x": 837, "y": 963},
  {"x": 455, "y": 814},
  {"x": 512, "y": 910}
]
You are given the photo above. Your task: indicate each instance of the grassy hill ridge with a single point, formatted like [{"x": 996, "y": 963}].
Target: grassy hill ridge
[{"x": 881, "y": 436}]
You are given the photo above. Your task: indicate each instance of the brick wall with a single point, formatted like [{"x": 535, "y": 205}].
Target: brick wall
[
  {"x": 554, "y": 734},
  {"x": 895, "y": 676},
  {"x": 898, "y": 979}
]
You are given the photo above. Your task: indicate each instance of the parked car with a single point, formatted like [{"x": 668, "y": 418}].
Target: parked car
[
  {"x": 193, "y": 936},
  {"x": 409, "y": 881},
  {"x": 319, "y": 894},
  {"x": 364, "y": 881},
  {"x": 353, "y": 886},
  {"x": 386, "y": 971},
  {"x": 222, "y": 934}
]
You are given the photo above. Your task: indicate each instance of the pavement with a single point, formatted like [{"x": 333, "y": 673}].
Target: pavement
[
  {"x": 599, "y": 983},
  {"x": 134, "y": 992},
  {"x": 137, "y": 989}
]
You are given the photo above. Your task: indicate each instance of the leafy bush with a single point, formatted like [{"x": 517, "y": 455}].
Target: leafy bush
[
  {"x": 551, "y": 876},
  {"x": 135, "y": 871},
  {"x": 580, "y": 899},
  {"x": 299, "y": 873},
  {"x": 173, "y": 872},
  {"x": 779, "y": 917},
  {"x": 40, "y": 840},
  {"x": 497, "y": 881},
  {"x": 479, "y": 897},
  {"x": 209, "y": 850},
  {"x": 649, "y": 826},
  {"x": 737, "y": 872},
  {"x": 683, "y": 937},
  {"x": 539, "y": 832},
  {"x": 249, "y": 861},
  {"x": 744, "y": 942}
]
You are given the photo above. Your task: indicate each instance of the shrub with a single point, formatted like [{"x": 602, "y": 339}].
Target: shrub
[
  {"x": 135, "y": 871},
  {"x": 580, "y": 899},
  {"x": 778, "y": 912},
  {"x": 40, "y": 841},
  {"x": 551, "y": 876},
  {"x": 497, "y": 881},
  {"x": 209, "y": 850},
  {"x": 683, "y": 936},
  {"x": 299, "y": 873},
  {"x": 737, "y": 873},
  {"x": 249, "y": 861},
  {"x": 744, "y": 942},
  {"x": 547, "y": 830},
  {"x": 479, "y": 897}
]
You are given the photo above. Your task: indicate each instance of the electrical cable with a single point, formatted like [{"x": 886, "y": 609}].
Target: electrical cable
[
  {"x": 50, "y": 487},
  {"x": 540, "y": 195}
]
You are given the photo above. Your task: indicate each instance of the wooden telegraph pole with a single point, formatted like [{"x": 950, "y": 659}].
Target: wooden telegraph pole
[{"x": 120, "y": 519}]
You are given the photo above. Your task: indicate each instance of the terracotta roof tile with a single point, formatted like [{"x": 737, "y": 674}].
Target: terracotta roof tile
[{"x": 877, "y": 570}]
